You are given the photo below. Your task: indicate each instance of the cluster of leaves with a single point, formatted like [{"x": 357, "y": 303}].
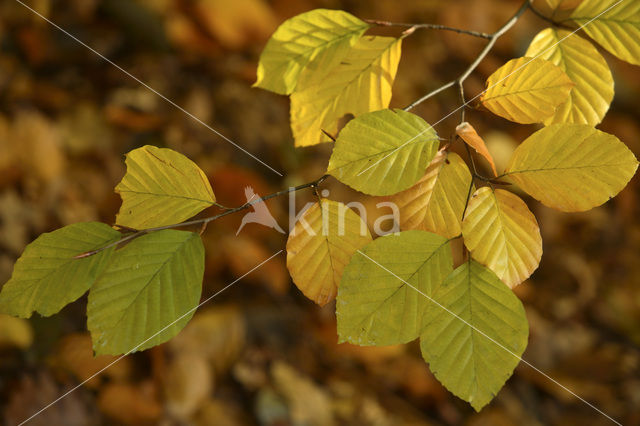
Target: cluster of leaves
[{"x": 144, "y": 279}]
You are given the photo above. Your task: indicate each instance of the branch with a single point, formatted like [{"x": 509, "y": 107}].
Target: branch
[
  {"x": 492, "y": 41},
  {"x": 430, "y": 94},
  {"x": 204, "y": 221},
  {"x": 413, "y": 27}
]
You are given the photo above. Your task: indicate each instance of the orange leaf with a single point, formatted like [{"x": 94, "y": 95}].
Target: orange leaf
[{"x": 471, "y": 137}]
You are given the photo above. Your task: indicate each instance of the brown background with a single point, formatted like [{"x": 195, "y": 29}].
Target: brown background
[{"x": 261, "y": 353}]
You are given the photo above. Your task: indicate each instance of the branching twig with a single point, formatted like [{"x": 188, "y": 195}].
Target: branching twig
[
  {"x": 458, "y": 81},
  {"x": 492, "y": 41},
  {"x": 203, "y": 221}
]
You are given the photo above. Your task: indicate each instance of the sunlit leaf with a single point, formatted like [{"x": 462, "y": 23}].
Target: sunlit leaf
[
  {"x": 360, "y": 83},
  {"x": 593, "y": 91},
  {"x": 302, "y": 39},
  {"x": 47, "y": 277},
  {"x": 475, "y": 338},
  {"x": 320, "y": 246},
  {"x": 436, "y": 202},
  {"x": 501, "y": 232},
  {"x": 572, "y": 167},
  {"x": 616, "y": 28},
  {"x": 526, "y": 90},
  {"x": 383, "y": 152},
  {"x": 148, "y": 292},
  {"x": 471, "y": 137},
  {"x": 161, "y": 187},
  {"x": 379, "y": 298}
]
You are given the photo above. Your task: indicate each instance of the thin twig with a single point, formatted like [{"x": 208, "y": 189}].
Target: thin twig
[
  {"x": 220, "y": 206},
  {"x": 492, "y": 41},
  {"x": 203, "y": 221},
  {"x": 463, "y": 102},
  {"x": 430, "y": 94},
  {"x": 466, "y": 203},
  {"x": 429, "y": 27}
]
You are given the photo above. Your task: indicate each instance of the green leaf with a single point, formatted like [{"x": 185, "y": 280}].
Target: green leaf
[
  {"x": 436, "y": 202},
  {"x": 360, "y": 83},
  {"x": 476, "y": 337},
  {"x": 379, "y": 299},
  {"x": 47, "y": 277},
  {"x": 383, "y": 152},
  {"x": 572, "y": 167},
  {"x": 526, "y": 90},
  {"x": 320, "y": 246},
  {"x": 501, "y": 232},
  {"x": 593, "y": 91},
  {"x": 147, "y": 294},
  {"x": 320, "y": 33},
  {"x": 161, "y": 187},
  {"x": 617, "y": 29}
]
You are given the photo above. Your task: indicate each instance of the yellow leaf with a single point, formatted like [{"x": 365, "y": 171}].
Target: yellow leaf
[
  {"x": 383, "y": 152},
  {"x": 437, "y": 201},
  {"x": 161, "y": 187},
  {"x": 501, "y": 233},
  {"x": 360, "y": 83},
  {"x": 526, "y": 90},
  {"x": 321, "y": 244},
  {"x": 474, "y": 337},
  {"x": 572, "y": 167},
  {"x": 300, "y": 40},
  {"x": 471, "y": 137},
  {"x": 593, "y": 91},
  {"x": 616, "y": 28}
]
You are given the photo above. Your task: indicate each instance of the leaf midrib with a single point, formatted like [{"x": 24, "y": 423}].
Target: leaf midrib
[{"x": 144, "y": 287}]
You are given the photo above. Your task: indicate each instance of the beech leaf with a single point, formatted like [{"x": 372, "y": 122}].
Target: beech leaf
[
  {"x": 501, "y": 232},
  {"x": 436, "y": 202},
  {"x": 360, "y": 83},
  {"x": 471, "y": 138},
  {"x": 148, "y": 292},
  {"x": 379, "y": 298},
  {"x": 320, "y": 246},
  {"x": 161, "y": 187},
  {"x": 47, "y": 276},
  {"x": 476, "y": 336},
  {"x": 593, "y": 91},
  {"x": 383, "y": 152},
  {"x": 616, "y": 27},
  {"x": 526, "y": 90},
  {"x": 572, "y": 167}
]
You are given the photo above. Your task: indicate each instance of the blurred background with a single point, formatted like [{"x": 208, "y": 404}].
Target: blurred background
[{"x": 261, "y": 353}]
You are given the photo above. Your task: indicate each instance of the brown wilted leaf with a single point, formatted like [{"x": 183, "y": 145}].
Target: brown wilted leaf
[{"x": 471, "y": 137}]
